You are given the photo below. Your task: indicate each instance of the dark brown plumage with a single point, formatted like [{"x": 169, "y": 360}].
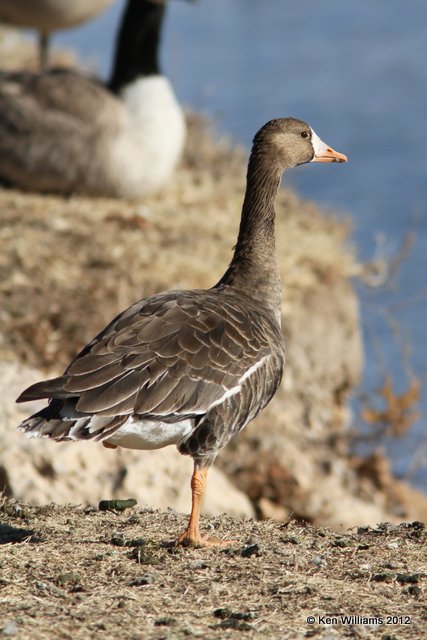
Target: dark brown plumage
[{"x": 190, "y": 368}]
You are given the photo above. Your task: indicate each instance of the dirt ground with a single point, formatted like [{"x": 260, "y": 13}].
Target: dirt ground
[{"x": 74, "y": 572}]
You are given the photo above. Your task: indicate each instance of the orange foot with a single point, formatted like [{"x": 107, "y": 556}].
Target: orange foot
[{"x": 190, "y": 540}]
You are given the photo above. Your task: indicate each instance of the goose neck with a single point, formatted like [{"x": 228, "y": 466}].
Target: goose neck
[
  {"x": 254, "y": 269},
  {"x": 137, "y": 44},
  {"x": 258, "y": 212}
]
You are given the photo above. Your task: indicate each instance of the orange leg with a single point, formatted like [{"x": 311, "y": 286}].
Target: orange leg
[{"x": 192, "y": 535}]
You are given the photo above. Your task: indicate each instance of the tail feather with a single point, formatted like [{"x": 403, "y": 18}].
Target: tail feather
[
  {"x": 37, "y": 427},
  {"x": 96, "y": 428},
  {"x": 47, "y": 389},
  {"x": 61, "y": 421}
]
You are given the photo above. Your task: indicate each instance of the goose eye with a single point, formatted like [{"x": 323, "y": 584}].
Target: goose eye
[{"x": 304, "y": 134}]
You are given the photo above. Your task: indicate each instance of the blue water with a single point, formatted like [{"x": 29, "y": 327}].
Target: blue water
[{"x": 357, "y": 72}]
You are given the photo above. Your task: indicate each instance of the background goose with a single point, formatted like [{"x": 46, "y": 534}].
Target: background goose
[
  {"x": 62, "y": 131},
  {"x": 49, "y": 15},
  {"x": 190, "y": 368}
]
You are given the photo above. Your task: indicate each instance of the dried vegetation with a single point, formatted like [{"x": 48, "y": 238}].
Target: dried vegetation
[{"x": 77, "y": 573}]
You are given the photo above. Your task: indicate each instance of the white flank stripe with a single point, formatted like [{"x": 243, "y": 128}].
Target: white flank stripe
[
  {"x": 252, "y": 369},
  {"x": 238, "y": 387}
]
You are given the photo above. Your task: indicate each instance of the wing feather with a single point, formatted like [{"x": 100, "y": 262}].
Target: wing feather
[
  {"x": 171, "y": 356},
  {"x": 94, "y": 379},
  {"x": 46, "y": 389},
  {"x": 86, "y": 365},
  {"x": 110, "y": 394},
  {"x": 137, "y": 360}
]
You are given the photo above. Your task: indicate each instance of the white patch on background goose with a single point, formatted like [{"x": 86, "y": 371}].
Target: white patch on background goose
[{"x": 152, "y": 136}]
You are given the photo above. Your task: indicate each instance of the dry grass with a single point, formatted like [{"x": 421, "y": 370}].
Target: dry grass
[{"x": 69, "y": 572}]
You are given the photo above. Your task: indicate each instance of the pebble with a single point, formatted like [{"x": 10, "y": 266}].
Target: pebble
[
  {"x": 116, "y": 505},
  {"x": 318, "y": 561},
  {"x": 10, "y": 628},
  {"x": 164, "y": 622},
  {"x": 198, "y": 564},
  {"x": 142, "y": 581},
  {"x": 251, "y": 550},
  {"x": 408, "y": 578}
]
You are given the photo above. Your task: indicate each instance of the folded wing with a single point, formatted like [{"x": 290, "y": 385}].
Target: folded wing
[{"x": 168, "y": 358}]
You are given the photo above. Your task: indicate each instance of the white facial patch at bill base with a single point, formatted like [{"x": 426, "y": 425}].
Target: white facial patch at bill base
[{"x": 319, "y": 147}]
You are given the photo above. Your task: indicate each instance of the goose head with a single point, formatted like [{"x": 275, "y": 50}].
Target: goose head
[{"x": 289, "y": 142}]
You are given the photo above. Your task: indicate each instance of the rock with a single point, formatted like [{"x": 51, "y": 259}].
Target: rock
[
  {"x": 271, "y": 510},
  {"x": 10, "y": 628}
]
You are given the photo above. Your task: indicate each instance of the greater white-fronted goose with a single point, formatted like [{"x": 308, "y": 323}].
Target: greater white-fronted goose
[
  {"x": 190, "y": 368},
  {"x": 64, "y": 132},
  {"x": 47, "y": 16}
]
